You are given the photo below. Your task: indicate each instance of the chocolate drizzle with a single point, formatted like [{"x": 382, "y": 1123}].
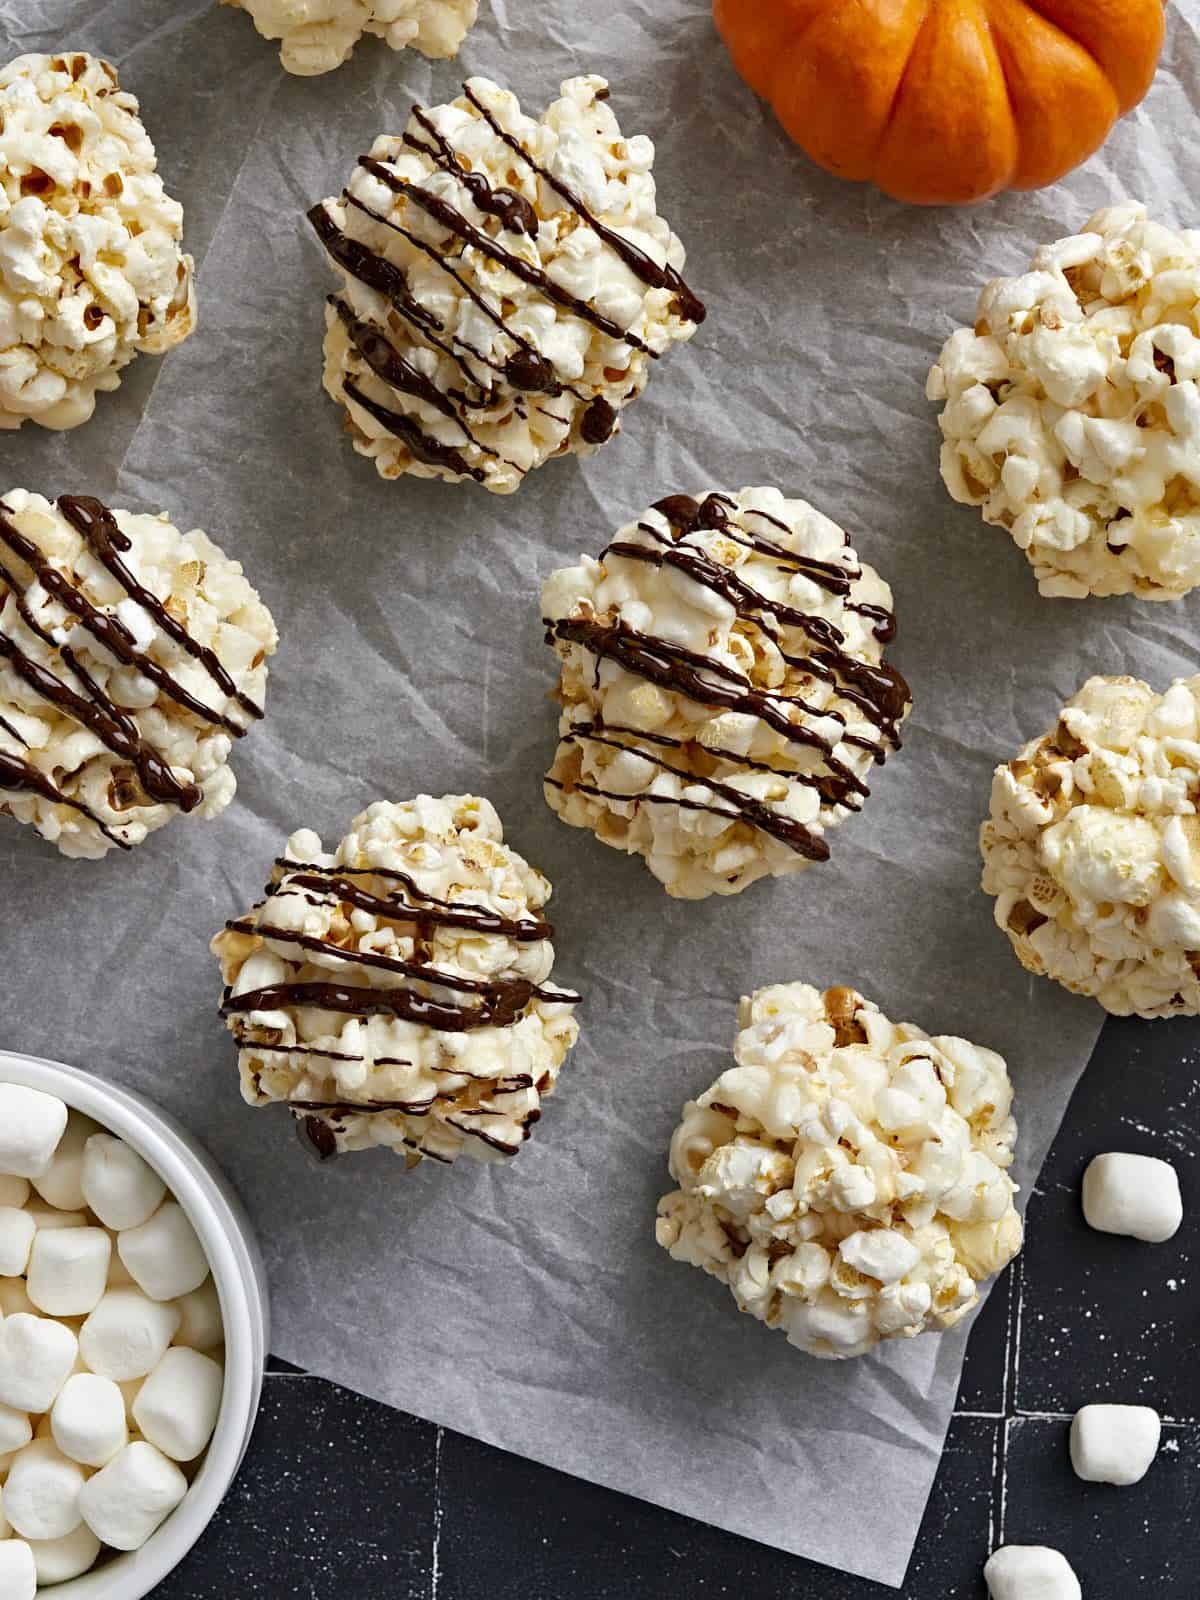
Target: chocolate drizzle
[
  {"x": 422, "y": 445},
  {"x": 511, "y": 210},
  {"x": 431, "y": 912},
  {"x": 877, "y": 691},
  {"x": 503, "y": 1004},
  {"x": 18, "y": 777},
  {"x": 599, "y": 421}
]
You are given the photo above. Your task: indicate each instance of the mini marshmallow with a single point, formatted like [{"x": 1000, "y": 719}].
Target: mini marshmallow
[
  {"x": 41, "y": 1496},
  {"x": 1133, "y": 1195},
  {"x": 60, "y": 1560},
  {"x": 201, "y": 1327},
  {"x": 130, "y": 1389},
  {"x": 17, "y": 1229},
  {"x": 177, "y": 1408},
  {"x": 164, "y": 1255},
  {"x": 36, "y": 1357},
  {"x": 88, "y": 1419},
  {"x": 1114, "y": 1444},
  {"x": 15, "y": 1430},
  {"x": 121, "y": 1189},
  {"x": 49, "y": 1220},
  {"x": 60, "y": 1184},
  {"x": 31, "y": 1124},
  {"x": 18, "y": 1574},
  {"x": 13, "y": 1191},
  {"x": 119, "y": 1275},
  {"x": 126, "y": 1336},
  {"x": 126, "y": 1500},
  {"x": 1030, "y": 1572},
  {"x": 68, "y": 1270},
  {"x": 13, "y": 1298}
]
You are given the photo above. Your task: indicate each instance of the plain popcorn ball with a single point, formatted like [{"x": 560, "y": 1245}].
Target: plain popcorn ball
[
  {"x": 723, "y": 688},
  {"x": 848, "y": 1178},
  {"x": 121, "y": 1188},
  {"x": 1092, "y": 850},
  {"x": 60, "y": 1560},
  {"x": 91, "y": 270},
  {"x": 18, "y": 1574},
  {"x": 41, "y": 1492},
  {"x": 17, "y": 1230},
  {"x": 1114, "y": 1444},
  {"x": 1072, "y": 412},
  {"x": 1030, "y": 1572},
  {"x": 31, "y": 1123},
  {"x": 68, "y": 1270},
  {"x": 1133, "y": 1195},
  {"x": 505, "y": 286},
  {"x": 126, "y": 1500},
  {"x": 36, "y": 1357},
  {"x": 179, "y": 1402},
  {"x": 164, "y": 1256},
  {"x": 460, "y": 1055},
  {"x": 132, "y": 657},
  {"x": 318, "y": 35},
  {"x": 87, "y": 1420},
  {"x": 127, "y": 1335}
]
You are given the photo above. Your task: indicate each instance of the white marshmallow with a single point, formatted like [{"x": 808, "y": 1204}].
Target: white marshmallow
[
  {"x": 13, "y": 1191},
  {"x": 36, "y": 1357},
  {"x": 127, "y": 1499},
  {"x": 18, "y": 1574},
  {"x": 31, "y": 1124},
  {"x": 68, "y": 1270},
  {"x": 41, "y": 1496},
  {"x": 1114, "y": 1444},
  {"x": 119, "y": 1275},
  {"x": 1030, "y": 1572},
  {"x": 130, "y": 1390},
  {"x": 164, "y": 1255},
  {"x": 201, "y": 1327},
  {"x": 16, "y": 1430},
  {"x": 126, "y": 1336},
  {"x": 13, "y": 1298},
  {"x": 46, "y": 1219},
  {"x": 60, "y": 1184},
  {"x": 177, "y": 1408},
  {"x": 1133, "y": 1195},
  {"x": 17, "y": 1229},
  {"x": 118, "y": 1185},
  {"x": 60, "y": 1560},
  {"x": 88, "y": 1419}
]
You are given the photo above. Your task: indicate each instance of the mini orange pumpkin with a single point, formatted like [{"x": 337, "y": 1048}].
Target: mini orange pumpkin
[{"x": 946, "y": 101}]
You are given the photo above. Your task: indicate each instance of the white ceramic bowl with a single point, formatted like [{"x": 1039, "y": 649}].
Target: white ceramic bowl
[{"x": 217, "y": 1216}]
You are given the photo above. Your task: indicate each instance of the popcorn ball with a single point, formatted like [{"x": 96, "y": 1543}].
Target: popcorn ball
[
  {"x": 91, "y": 270},
  {"x": 395, "y": 991},
  {"x": 318, "y": 35},
  {"x": 1072, "y": 414},
  {"x": 132, "y": 656},
  {"x": 1092, "y": 849},
  {"x": 505, "y": 285},
  {"x": 723, "y": 688},
  {"x": 847, "y": 1179}
]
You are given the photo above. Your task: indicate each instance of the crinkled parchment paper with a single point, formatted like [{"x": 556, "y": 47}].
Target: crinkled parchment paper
[{"x": 528, "y": 1305}]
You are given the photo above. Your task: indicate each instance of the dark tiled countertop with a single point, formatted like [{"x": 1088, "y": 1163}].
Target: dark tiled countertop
[{"x": 340, "y": 1495}]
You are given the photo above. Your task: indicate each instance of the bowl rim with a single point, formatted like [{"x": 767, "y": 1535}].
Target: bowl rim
[{"x": 215, "y": 1212}]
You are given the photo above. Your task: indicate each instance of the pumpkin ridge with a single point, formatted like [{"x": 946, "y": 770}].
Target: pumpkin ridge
[
  {"x": 1036, "y": 8},
  {"x": 886, "y": 129},
  {"x": 998, "y": 49}
]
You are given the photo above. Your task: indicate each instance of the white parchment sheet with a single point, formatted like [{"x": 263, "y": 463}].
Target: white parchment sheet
[{"x": 529, "y": 1305}]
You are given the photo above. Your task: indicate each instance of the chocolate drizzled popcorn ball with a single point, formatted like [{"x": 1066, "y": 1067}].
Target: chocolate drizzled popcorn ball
[
  {"x": 91, "y": 270},
  {"x": 506, "y": 284},
  {"x": 1072, "y": 413},
  {"x": 1092, "y": 849},
  {"x": 848, "y": 1178},
  {"x": 318, "y": 35},
  {"x": 724, "y": 694},
  {"x": 132, "y": 656},
  {"x": 396, "y": 991}
]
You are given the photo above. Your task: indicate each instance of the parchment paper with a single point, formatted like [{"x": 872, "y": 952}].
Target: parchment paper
[{"x": 528, "y": 1305}]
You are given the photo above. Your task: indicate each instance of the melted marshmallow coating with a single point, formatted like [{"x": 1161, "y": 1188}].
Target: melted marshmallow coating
[
  {"x": 488, "y": 316},
  {"x": 132, "y": 658},
  {"x": 91, "y": 270},
  {"x": 318, "y": 35},
  {"x": 1072, "y": 413},
  {"x": 1092, "y": 849},
  {"x": 435, "y": 1029},
  {"x": 723, "y": 691},
  {"x": 847, "y": 1179}
]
